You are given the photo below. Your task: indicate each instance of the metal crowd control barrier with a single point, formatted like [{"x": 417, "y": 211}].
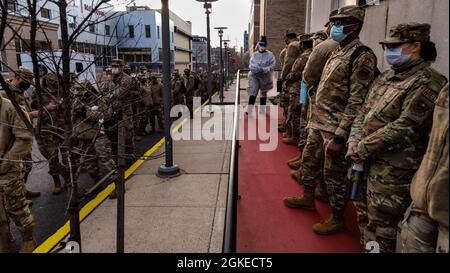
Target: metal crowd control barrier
[{"x": 230, "y": 226}]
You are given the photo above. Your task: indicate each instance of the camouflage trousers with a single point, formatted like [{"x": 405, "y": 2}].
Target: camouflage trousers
[
  {"x": 156, "y": 111},
  {"x": 190, "y": 104},
  {"x": 27, "y": 166},
  {"x": 284, "y": 102},
  {"x": 421, "y": 234},
  {"x": 293, "y": 117},
  {"x": 14, "y": 201},
  {"x": 54, "y": 147},
  {"x": 303, "y": 136},
  {"x": 4, "y": 227},
  {"x": 97, "y": 159},
  {"x": 140, "y": 119},
  {"x": 317, "y": 165},
  {"x": 383, "y": 207}
]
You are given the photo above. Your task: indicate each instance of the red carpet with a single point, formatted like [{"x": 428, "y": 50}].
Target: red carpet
[{"x": 265, "y": 225}]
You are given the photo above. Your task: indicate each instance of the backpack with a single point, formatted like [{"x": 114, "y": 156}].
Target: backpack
[{"x": 355, "y": 55}]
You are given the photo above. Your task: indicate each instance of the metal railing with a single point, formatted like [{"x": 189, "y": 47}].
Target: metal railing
[{"x": 229, "y": 238}]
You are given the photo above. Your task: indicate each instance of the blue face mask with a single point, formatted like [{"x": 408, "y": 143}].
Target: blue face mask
[
  {"x": 337, "y": 33},
  {"x": 396, "y": 57}
]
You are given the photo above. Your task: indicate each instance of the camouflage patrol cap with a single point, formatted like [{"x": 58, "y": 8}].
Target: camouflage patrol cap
[
  {"x": 25, "y": 74},
  {"x": 118, "y": 62},
  {"x": 305, "y": 37},
  {"x": 332, "y": 13},
  {"x": 51, "y": 81},
  {"x": 142, "y": 67},
  {"x": 412, "y": 32},
  {"x": 355, "y": 12},
  {"x": 320, "y": 35},
  {"x": 290, "y": 34}
]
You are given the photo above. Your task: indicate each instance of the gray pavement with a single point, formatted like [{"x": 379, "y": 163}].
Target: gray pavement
[{"x": 181, "y": 214}]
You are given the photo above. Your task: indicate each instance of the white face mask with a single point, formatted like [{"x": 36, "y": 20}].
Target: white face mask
[
  {"x": 115, "y": 70},
  {"x": 262, "y": 48}
]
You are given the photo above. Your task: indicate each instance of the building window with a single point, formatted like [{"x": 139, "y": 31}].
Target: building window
[
  {"x": 159, "y": 34},
  {"x": 173, "y": 38},
  {"x": 11, "y": 5},
  {"x": 46, "y": 13},
  {"x": 72, "y": 21},
  {"x": 131, "y": 31},
  {"x": 107, "y": 30},
  {"x": 91, "y": 27},
  {"x": 148, "y": 31}
]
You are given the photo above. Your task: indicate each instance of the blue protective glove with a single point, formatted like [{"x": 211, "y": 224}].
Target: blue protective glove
[{"x": 303, "y": 93}]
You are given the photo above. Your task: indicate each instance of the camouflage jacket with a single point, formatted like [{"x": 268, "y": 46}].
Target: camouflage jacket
[
  {"x": 292, "y": 53},
  {"x": 51, "y": 119},
  {"x": 189, "y": 82},
  {"x": 396, "y": 119},
  {"x": 20, "y": 96},
  {"x": 87, "y": 120},
  {"x": 157, "y": 93},
  {"x": 123, "y": 93},
  {"x": 15, "y": 139},
  {"x": 429, "y": 188},
  {"x": 316, "y": 62},
  {"x": 297, "y": 71},
  {"x": 282, "y": 56},
  {"x": 337, "y": 101}
]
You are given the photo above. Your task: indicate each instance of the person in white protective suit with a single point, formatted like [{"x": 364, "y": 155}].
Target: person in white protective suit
[{"x": 262, "y": 64}]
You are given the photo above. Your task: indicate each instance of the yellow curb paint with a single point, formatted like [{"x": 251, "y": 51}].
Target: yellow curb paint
[{"x": 62, "y": 232}]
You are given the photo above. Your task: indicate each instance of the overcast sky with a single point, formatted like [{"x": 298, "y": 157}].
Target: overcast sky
[{"x": 234, "y": 14}]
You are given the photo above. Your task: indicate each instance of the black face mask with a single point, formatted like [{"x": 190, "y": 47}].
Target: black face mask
[{"x": 24, "y": 86}]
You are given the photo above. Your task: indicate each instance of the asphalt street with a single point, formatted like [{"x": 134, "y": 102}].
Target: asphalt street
[{"x": 51, "y": 211}]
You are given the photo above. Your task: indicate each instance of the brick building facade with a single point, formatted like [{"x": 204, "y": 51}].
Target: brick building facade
[{"x": 278, "y": 16}]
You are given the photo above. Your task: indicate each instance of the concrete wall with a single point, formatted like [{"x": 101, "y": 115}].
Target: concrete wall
[{"x": 380, "y": 18}]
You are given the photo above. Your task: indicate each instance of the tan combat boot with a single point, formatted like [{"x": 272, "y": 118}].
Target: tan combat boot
[
  {"x": 297, "y": 158},
  {"x": 304, "y": 202},
  {"x": 321, "y": 194},
  {"x": 295, "y": 165},
  {"x": 290, "y": 141},
  {"x": 57, "y": 188},
  {"x": 297, "y": 176},
  {"x": 28, "y": 242},
  {"x": 334, "y": 224}
]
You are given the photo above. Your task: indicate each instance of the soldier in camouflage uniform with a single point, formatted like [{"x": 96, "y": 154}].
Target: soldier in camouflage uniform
[
  {"x": 311, "y": 76},
  {"x": 189, "y": 83},
  {"x": 391, "y": 133},
  {"x": 292, "y": 53},
  {"x": 123, "y": 88},
  {"x": 156, "y": 110},
  {"x": 293, "y": 79},
  {"x": 425, "y": 226},
  {"x": 15, "y": 144},
  {"x": 52, "y": 126},
  {"x": 89, "y": 113},
  {"x": 23, "y": 78},
  {"x": 176, "y": 88},
  {"x": 339, "y": 97},
  {"x": 204, "y": 86}
]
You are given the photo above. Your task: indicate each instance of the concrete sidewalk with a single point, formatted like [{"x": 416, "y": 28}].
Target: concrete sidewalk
[{"x": 182, "y": 214}]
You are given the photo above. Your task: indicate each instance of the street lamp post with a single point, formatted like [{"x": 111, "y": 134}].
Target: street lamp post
[
  {"x": 226, "y": 62},
  {"x": 208, "y": 6},
  {"x": 168, "y": 169},
  {"x": 221, "y": 63}
]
